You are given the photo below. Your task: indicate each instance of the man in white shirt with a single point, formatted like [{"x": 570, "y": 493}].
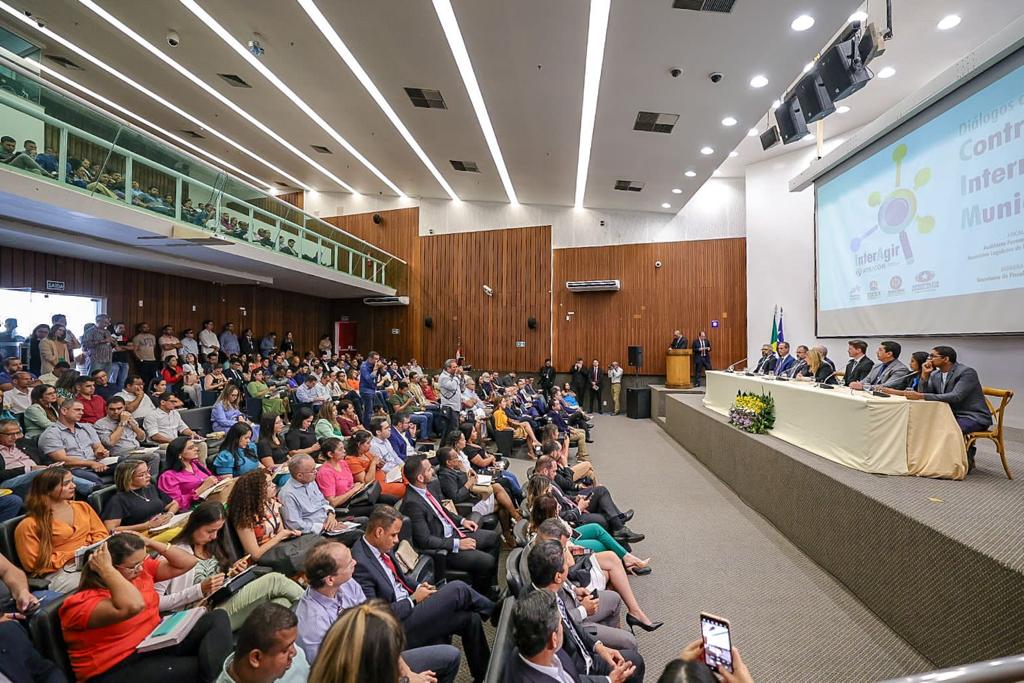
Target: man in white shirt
[
  {"x": 19, "y": 397},
  {"x": 311, "y": 391},
  {"x": 120, "y": 432},
  {"x": 208, "y": 340},
  {"x": 615, "y": 379},
  {"x": 380, "y": 444},
  {"x": 136, "y": 401},
  {"x": 164, "y": 425},
  {"x": 169, "y": 343},
  {"x": 266, "y": 650},
  {"x": 414, "y": 367}
]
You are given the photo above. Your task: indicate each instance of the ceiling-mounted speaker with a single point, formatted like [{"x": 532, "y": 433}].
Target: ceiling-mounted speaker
[
  {"x": 791, "y": 122},
  {"x": 770, "y": 137},
  {"x": 378, "y": 219},
  {"x": 815, "y": 103},
  {"x": 428, "y": 321},
  {"x": 531, "y": 323},
  {"x": 842, "y": 71}
]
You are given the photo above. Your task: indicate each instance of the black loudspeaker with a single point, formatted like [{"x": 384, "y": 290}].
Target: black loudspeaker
[
  {"x": 378, "y": 219},
  {"x": 638, "y": 403},
  {"x": 814, "y": 100},
  {"x": 531, "y": 323},
  {"x": 428, "y": 321},
  {"x": 840, "y": 74},
  {"x": 636, "y": 356},
  {"x": 770, "y": 137},
  {"x": 791, "y": 121}
]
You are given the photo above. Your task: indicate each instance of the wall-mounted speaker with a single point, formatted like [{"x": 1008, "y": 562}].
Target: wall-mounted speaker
[
  {"x": 378, "y": 219},
  {"x": 791, "y": 122},
  {"x": 531, "y": 323},
  {"x": 428, "y": 321},
  {"x": 636, "y": 356}
]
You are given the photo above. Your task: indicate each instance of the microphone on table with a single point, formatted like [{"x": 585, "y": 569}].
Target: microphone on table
[
  {"x": 880, "y": 394},
  {"x": 822, "y": 384},
  {"x": 741, "y": 360},
  {"x": 793, "y": 370}
]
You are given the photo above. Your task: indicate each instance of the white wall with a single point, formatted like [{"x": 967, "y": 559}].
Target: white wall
[
  {"x": 717, "y": 210},
  {"x": 780, "y": 270}
]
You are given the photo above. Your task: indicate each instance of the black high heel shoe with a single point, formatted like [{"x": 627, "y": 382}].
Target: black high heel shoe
[{"x": 632, "y": 621}]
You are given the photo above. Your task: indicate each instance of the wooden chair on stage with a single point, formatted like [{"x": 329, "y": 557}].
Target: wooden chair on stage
[{"x": 996, "y": 433}]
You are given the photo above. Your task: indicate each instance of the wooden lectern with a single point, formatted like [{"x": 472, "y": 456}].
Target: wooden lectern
[{"x": 679, "y": 369}]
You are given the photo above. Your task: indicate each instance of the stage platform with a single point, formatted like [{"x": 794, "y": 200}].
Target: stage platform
[
  {"x": 940, "y": 562},
  {"x": 660, "y": 391}
]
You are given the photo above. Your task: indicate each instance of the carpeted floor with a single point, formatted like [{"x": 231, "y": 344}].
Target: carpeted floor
[{"x": 791, "y": 620}]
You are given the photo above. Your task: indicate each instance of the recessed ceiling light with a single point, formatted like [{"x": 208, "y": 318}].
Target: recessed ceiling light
[
  {"x": 666, "y": 205},
  {"x": 596, "y": 33},
  {"x": 949, "y": 21},
  {"x": 802, "y": 23},
  {"x": 752, "y": 133},
  {"x": 776, "y": 104},
  {"x": 758, "y": 81},
  {"x": 676, "y": 190},
  {"x": 707, "y": 151},
  {"x": 858, "y": 16},
  {"x": 808, "y": 66},
  {"x": 733, "y": 154},
  {"x": 842, "y": 109},
  {"x": 887, "y": 72},
  {"x": 690, "y": 174},
  {"x": 450, "y": 25},
  {"x": 716, "y": 172},
  {"x": 809, "y": 136},
  {"x": 328, "y": 32},
  {"x": 728, "y": 121}
]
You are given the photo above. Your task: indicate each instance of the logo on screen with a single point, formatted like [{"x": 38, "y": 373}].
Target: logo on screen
[
  {"x": 873, "y": 286},
  {"x": 898, "y": 210},
  {"x": 925, "y": 276},
  {"x": 895, "y": 282}
]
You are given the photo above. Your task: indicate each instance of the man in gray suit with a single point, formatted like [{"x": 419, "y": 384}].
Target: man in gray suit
[
  {"x": 888, "y": 369},
  {"x": 943, "y": 379}
]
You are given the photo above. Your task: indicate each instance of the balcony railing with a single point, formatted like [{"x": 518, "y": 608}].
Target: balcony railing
[{"x": 90, "y": 151}]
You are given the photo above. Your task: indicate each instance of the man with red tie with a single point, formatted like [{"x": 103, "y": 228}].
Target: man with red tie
[
  {"x": 428, "y": 615},
  {"x": 469, "y": 548},
  {"x": 701, "y": 356}
]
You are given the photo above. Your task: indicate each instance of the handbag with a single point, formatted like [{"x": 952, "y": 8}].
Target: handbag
[
  {"x": 368, "y": 496},
  {"x": 233, "y": 585},
  {"x": 407, "y": 557},
  {"x": 289, "y": 557}
]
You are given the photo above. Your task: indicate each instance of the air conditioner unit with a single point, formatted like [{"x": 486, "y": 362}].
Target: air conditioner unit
[
  {"x": 386, "y": 301},
  {"x": 594, "y": 286}
]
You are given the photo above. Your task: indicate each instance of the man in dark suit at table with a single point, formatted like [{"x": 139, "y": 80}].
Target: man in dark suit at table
[
  {"x": 678, "y": 340},
  {"x": 428, "y": 615},
  {"x": 766, "y": 363},
  {"x": 785, "y": 361},
  {"x": 470, "y": 549},
  {"x": 860, "y": 365},
  {"x": 943, "y": 379}
]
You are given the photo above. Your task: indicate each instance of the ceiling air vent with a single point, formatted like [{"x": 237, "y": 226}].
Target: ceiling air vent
[
  {"x": 629, "y": 185},
  {"x": 281, "y": 184},
  {"x": 704, "y": 5},
  {"x": 655, "y": 123},
  {"x": 64, "y": 62},
  {"x": 234, "y": 81},
  {"x": 593, "y": 285},
  {"x": 426, "y": 99},
  {"x": 192, "y": 134},
  {"x": 320, "y": 149},
  {"x": 468, "y": 166},
  {"x": 386, "y": 301}
]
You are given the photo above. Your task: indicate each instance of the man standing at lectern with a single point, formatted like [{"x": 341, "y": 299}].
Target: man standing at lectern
[
  {"x": 701, "y": 356},
  {"x": 678, "y": 341}
]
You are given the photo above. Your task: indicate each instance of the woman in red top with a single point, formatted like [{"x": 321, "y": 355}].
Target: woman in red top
[
  {"x": 172, "y": 373},
  {"x": 348, "y": 419},
  {"x": 116, "y": 608},
  {"x": 428, "y": 389}
]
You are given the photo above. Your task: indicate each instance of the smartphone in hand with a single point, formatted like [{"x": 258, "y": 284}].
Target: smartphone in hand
[{"x": 717, "y": 637}]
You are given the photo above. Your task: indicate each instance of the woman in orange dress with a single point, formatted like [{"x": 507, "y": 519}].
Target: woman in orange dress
[{"x": 365, "y": 467}]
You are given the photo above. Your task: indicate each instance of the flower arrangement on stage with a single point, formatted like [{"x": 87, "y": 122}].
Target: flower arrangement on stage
[{"x": 754, "y": 413}]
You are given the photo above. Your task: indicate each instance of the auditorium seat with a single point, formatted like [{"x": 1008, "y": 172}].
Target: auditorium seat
[
  {"x": 504, "y": 440},
  {"x": 99, "y": 498},
  {"x": 45, "y": 629},
  {"x": 503, "y": 643},
  {"x": 208, "y": 398},
  {"x": 198, "y": 419},
  {"x": 521, "y": 532},
  {"x": 254, "y": 409},
  {"x": 8, "y": 550},
  {"x": 996, "y": 433},
  {"x": 512, "y": 576}
]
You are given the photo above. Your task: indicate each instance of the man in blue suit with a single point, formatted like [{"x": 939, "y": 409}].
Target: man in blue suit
[
  {"x": 785, "y": 361},
  {"x": 401, "y": 439},
  {"x": 368, "y": 385}
]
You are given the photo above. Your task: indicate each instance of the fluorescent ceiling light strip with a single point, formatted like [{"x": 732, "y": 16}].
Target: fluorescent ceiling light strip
[
  {"x": 328, "y": 32},
  {"x": 145, "y": 91},
  {"x": 149, "y": 47},
  {"x": 243, "y": 52},
  {"x": 446, "y": 15},
  {"x": 596, "y": 33}
]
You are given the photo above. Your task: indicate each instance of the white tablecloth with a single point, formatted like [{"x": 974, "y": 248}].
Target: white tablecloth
[{"x": 869, "y": 433}]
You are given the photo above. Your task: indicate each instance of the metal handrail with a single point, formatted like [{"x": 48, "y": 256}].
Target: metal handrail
[
  {"x": 1001, "y": 670},
  {"x": 378, "y": 267}
]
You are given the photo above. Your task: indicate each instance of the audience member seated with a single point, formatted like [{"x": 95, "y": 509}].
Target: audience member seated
[
  {"x": 266, "y": 650},
  {"x": 591, "y": 505},
  {"x": 137, "y": 402},
  {"x": 18, "y": 398},
  {"x": 366, "y": 467},
  {"x": 21, "y": 661},
  {"x": 185, "y": 477},
  {"x": 326, "y": 424},
  {"x": 76, "y": 446},
  {"x": 104, "y": 388},
  {"x": 303, "y": 505},
  {"x": 201, "y": 537},
  {"x": 55, "y": 526},
  {"x": 237, "y": 454},
  {"x": 570, "y": 478},
  {"x": 427, "y": 614},
  {"x": 312, "y": 392},
  {"x": 338, "y": 484},
  {"x": 271, "y": 447},
  {"x": 121, "y": 434},
  {"x": 464, "y": 441},
  {"x": 227, "y": 411},
  {"x": 19, "y": 469},
  {"x": 138, "y": 504},
  {"x": 300, "y": 437},
  {"x": 272, "y": 403},
  {"x": 458, "y": 483},
  {"x": 165, "y": 424},
  {"x": 549, "y": 569},
  {"x": 520, "y": 430},
  {"x": 10, "y": 155},
  {"x": 380, "y": 445},
  {"x": 93, "y": 406},
  {"x": 117, "y": 606},
  {"x": 689, "y": 667},
  {"x": 348, "y": 418},
  {"x": 470, "y": 549},
  {"x": 255, "y": 515}
]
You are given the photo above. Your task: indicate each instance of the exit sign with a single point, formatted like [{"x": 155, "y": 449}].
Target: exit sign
[{"x": 55, "y": 285}]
